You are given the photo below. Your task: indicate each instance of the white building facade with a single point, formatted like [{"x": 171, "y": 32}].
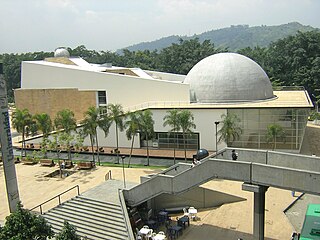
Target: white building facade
[{"x": 220, "y": 84}]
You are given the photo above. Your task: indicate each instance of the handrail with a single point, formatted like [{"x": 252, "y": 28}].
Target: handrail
[
  {"x": 125, "y": 214},
  {"x": 108, "y": 176},
  {"x": 57, "y": 196}
]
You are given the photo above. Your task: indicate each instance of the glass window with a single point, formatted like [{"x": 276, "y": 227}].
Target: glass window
[
  {"x": 171, "y": 140},
  {"x": 255, "y": 122},
  {"x": 102, "y": 98}
]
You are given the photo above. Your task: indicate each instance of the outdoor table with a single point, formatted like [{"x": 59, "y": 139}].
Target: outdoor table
[
  {"x": 177, "y": 229},
  {"x": 144, "y": 231},
  {"x": 184, "y": 220},
  {"x": 159, "y": 237},
  {"x": 162, "y": 216}
]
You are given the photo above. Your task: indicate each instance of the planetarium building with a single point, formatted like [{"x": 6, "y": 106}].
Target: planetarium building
[{"x": 221, "y": 84}]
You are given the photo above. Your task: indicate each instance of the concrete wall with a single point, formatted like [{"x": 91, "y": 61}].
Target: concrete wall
[
  {"x": 281, "y": 159},
  {"x": 303, "y": 180},
  {"x": 126, "y": 90},
  {"x": 281, "y": 177},
  {"x": 197, "y": 197},
  {"x": 191, "y": 177}
]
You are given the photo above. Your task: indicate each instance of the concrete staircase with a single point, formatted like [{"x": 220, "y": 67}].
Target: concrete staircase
[{"x": 92, "y": 218}]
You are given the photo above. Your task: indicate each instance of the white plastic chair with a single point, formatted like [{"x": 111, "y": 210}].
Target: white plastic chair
[
  {"x": 146, "y": 226},
  {"x": 149, "y": 235},
  {"x": 161, "y": 233},
  {"x": 185, "y": 212},
  {"x": 192, "y": 213}
]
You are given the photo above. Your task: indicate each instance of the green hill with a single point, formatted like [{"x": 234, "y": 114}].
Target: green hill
[{"x": 235, "y": 37}]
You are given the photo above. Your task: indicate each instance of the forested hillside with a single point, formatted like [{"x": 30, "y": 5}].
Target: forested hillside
[
  {"x": 234, "y": 38},
  {"x": 294, "y": 60}
]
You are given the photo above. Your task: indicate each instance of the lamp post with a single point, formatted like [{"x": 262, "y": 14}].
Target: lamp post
[
  {"x": 216, "y": 123},
  {"x": 123, "y": 173}
]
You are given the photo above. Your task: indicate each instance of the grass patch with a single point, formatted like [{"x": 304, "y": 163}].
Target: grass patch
[{"x": 109, "y": 164}]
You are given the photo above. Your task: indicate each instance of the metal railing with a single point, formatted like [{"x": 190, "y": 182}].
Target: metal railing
[
  {"x": 108, "y": 176},
  {"x": 58, "y": 196}
]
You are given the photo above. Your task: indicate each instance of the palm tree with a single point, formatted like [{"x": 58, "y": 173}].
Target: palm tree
[
  {"x": 275, "y": 131},
  {"x": 65, "y": 120},
  {"x": 116, "y": 114},
  {"x": 186, "y": 124},
  {"x": 146, "y": 127},
  {"x": 132, "y": 126},
  {"x": 230, "y": 130},
  {"x": 172, "y": 120},
  {"x": 21, "y": 119},
  {"x": 44, "y": 124},
  {"x": 93, "y": 119},
  {"x": 90, "y": 124}
]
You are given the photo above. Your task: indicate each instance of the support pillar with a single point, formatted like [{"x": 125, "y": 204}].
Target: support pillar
[
  {"x": 258, "y": 208},
  {"x": 6, "y": 148}
]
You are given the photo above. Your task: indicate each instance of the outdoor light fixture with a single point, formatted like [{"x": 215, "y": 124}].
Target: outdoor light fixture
[
  {"x": 123, "y": 172},
  {"x": 216, "y": 123}
]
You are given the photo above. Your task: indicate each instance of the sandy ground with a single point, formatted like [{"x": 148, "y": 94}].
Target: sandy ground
[{"x": 230, "y": 221}]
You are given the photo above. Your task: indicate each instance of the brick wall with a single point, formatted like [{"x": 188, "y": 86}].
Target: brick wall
[{"x": 53, "y": 100}]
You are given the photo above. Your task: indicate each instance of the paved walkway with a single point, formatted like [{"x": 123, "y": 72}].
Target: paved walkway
[{"x": 107, "y": 191}]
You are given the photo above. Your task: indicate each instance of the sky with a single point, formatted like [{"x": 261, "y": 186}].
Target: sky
[{"x": 108, "y": 25}]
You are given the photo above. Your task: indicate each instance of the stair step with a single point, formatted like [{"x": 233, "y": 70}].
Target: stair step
[
  {"x": 96, "y": 202},
  {"x": 90, "y": 235},
  {"x": 89, "y": 207},
  {"x": 83, "y": 228},
  {"x": 93, "y": 214},
  {"x": 89, "y": 222}
]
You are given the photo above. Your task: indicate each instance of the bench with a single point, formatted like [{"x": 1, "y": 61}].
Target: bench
[
  {"x": 67, "y": 163},
  {"x": 29, "y": 161},
  {"x": 85, "y": 165},
  {"x": 47, "y": 162}
]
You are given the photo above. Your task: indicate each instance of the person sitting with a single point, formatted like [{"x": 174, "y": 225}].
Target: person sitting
[
  {"x": 234, "y": 155},
  {"x": 195, "y": 162}
]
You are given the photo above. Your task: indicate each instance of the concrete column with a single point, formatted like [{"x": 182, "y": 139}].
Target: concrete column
[
  {"x": 258, "y": 208},
  {"x": 6, "y": 148}
]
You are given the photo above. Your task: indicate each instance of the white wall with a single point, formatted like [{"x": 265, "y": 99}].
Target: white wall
[
  {"x": 167, "y": 76},
  {"x": 204, "y": 120},
  {"x": 126, "y": 90}
]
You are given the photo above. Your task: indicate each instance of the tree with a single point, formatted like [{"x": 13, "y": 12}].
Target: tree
[
  {"x": 65, "y": 120},
  {"x": 21, "y": 119},
  {"x": 275, "y": 131},
  {"x": 132, "y": 126},
  {"x": 68, "y": 232},
  {"x": 230, "y": 130},
  {"x": 93, "y": 119},
  {"x": 116, "y": 114},
  {"x": 90, "y": 124},
  {"x": 44, "y": 124},
  {"x": 146, "y": 128},
  {"x": 172, "y": 120},
  {"x": 181, "y": 57},
  {"x": 22, "y": 225},
  {"x": 186, "y": 124}
]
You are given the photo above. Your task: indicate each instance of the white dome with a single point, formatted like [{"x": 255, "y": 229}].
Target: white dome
[
  {"x": 228, "y": 77},
  {"x": 61, "y": 52}
]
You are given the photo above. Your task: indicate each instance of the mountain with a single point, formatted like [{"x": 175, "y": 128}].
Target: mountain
[{"x": 235, "y": 37}]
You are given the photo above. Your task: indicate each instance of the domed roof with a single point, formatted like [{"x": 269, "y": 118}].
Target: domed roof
[
  {"x": 61, "y": 52},
  {"x": 228, "y": 77}
]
